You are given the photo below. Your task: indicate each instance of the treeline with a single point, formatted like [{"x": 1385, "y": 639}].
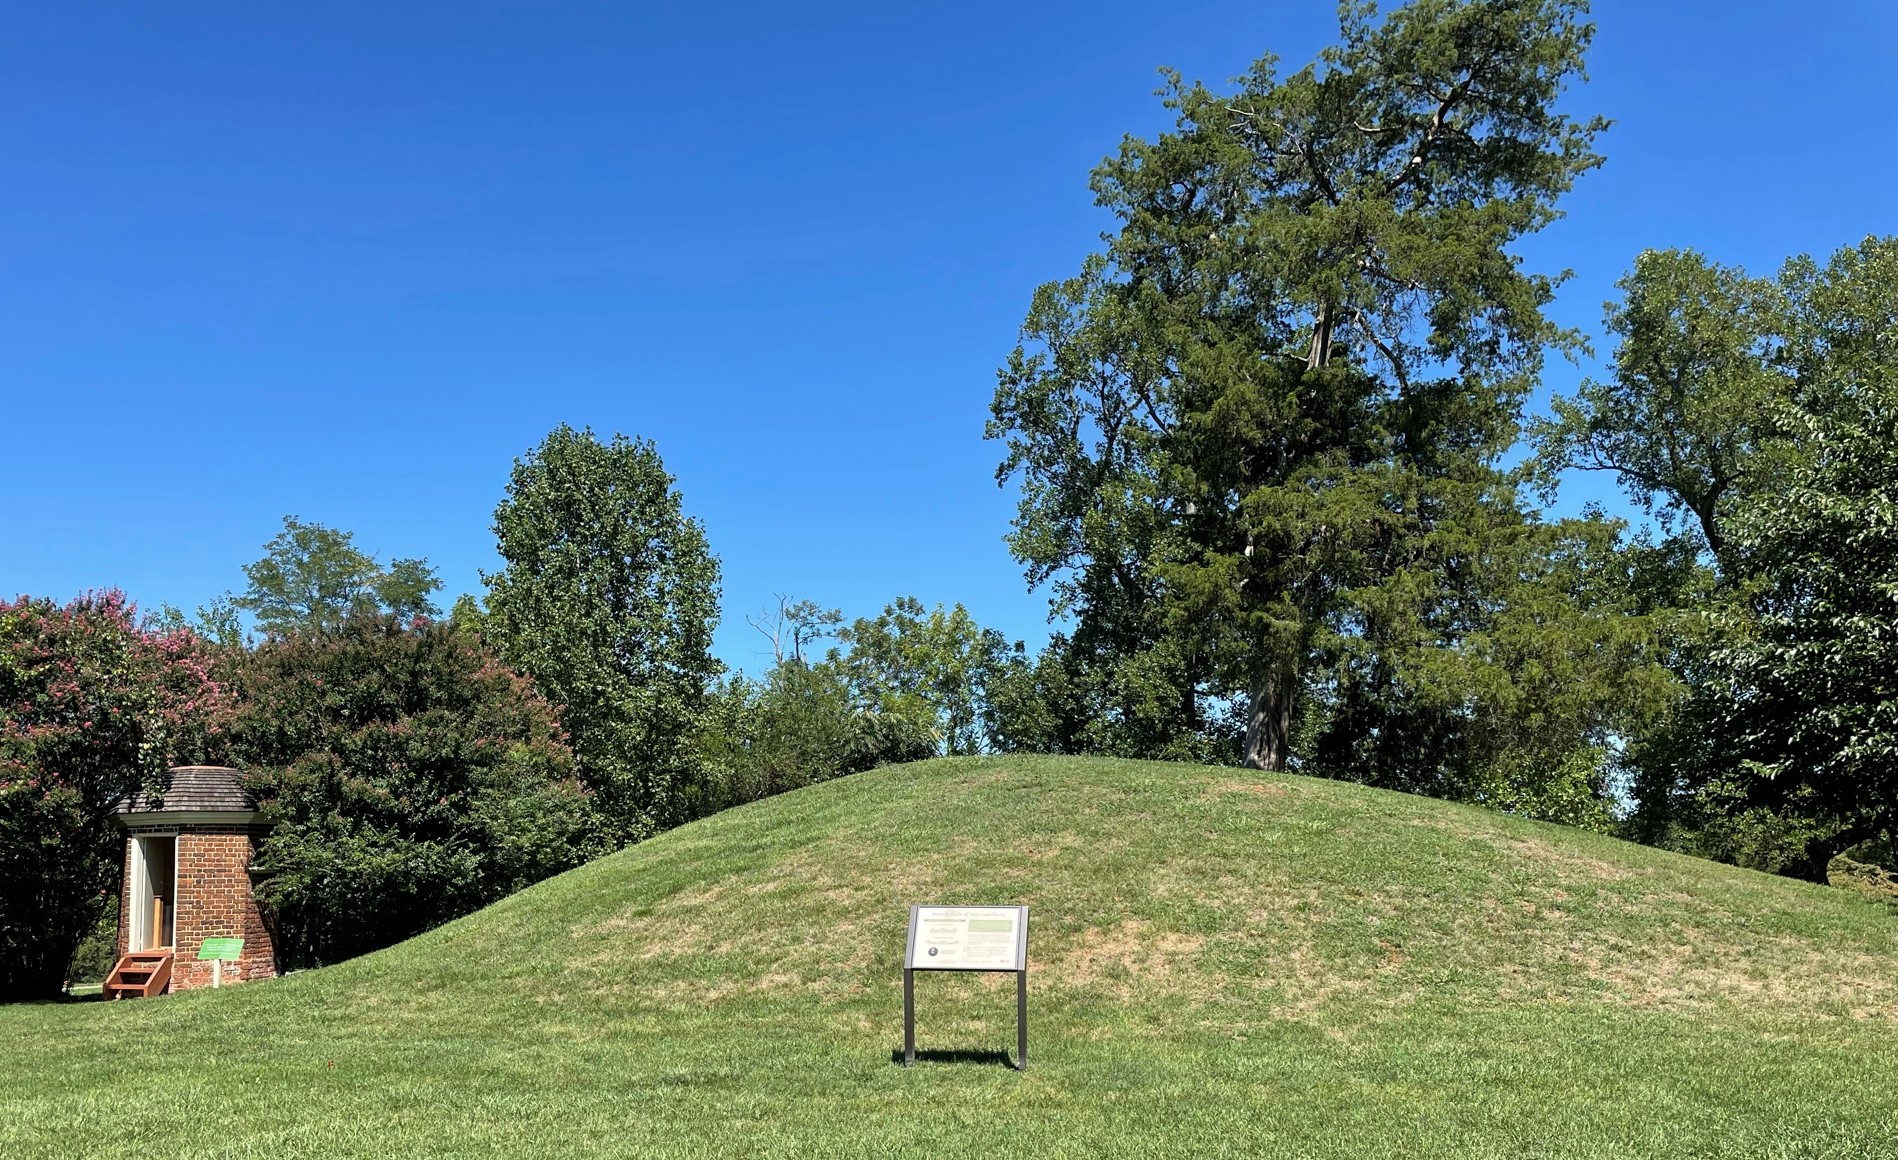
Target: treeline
[
  {"x": 1277, "y": 473},
  {"x": 417, "y": 766}
]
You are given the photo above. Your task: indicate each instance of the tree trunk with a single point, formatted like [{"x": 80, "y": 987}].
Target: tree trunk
[
  {"x": 1320, "y": 353},
  {"x": 1269, "y": 717},
  {"x": 1814, "y": 863}
]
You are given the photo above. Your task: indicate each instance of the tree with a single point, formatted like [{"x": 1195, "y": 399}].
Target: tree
[
  {"x": 1686, "y": 420},
  {"x": 608, "y": 599},
  {"x": 468, "y": 617},
  {"x": 1802, "y": 704},
  {"x": 795, "y": 625},
  {"x": 935, "y": 664},
  {"x": 92, "y": 709},
  {"x": 1688, "y": 423},
  {"x": 902, "y": 687},
  {"x": 313, "y": 577},
  {"x": 1278, "y": 396},
  {"x": 802, "y": 724},
  {"x": 1515, "y": 687},
  {"x": 411, "y": 778},
  {"x": 1761, "y": 411}
]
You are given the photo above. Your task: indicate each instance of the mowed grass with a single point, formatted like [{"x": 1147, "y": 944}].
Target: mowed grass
[{"x": 1222, "y": 964}]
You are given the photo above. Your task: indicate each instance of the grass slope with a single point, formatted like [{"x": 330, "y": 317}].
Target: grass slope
[{"x": 1223, "y": 965}]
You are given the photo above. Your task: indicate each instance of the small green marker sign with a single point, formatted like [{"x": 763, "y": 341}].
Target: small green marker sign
[{"x": 227, "y": 950}]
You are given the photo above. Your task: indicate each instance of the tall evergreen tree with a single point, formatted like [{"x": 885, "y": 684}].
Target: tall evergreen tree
[
  {"x": 1266, "y": 418},
  {"x": 608, "y": 599}
]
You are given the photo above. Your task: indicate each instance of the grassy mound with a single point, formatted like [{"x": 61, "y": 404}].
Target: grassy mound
[{"x": 1222, "y": 964}]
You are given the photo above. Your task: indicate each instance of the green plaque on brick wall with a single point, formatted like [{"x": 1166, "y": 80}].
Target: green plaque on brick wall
[{"x": 227, "y": 950}]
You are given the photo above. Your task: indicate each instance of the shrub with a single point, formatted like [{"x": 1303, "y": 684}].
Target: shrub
[{"x": 412, "y": 778}]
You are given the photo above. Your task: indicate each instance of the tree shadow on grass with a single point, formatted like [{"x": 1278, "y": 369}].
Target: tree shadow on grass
[{"x": 990, "y": 1058}]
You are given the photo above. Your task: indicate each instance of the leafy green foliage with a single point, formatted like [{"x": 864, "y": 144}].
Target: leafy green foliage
[
  {"x": 468, "y": 617},
  {"x": 802, "y": 724},
  {"x": 1686, "y": 421},
  {"x": 312, "y": 578},
  {"x": 1807, "y": 680},
  {"x": 795, "y": 626},
  {"x": 92, "y": 708},
  {"x": 1511, "y": 688},
  {"x": 1304, "y": 344},
  {"x": 98, "y": 952},
  {"x": 411, "y": 778},
  {"x": 1765, "y": 411},
  {"x": 1082, "y": 695},
  {"x": 907, "y": 684},
  {"x": 934, "y": 664},
  {"x": 608, "y": 600}
]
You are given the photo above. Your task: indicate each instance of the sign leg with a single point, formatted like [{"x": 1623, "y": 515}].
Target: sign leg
[
  {"x": 909, "y": 1017},
  {"x": 1021, "y": 1020}
]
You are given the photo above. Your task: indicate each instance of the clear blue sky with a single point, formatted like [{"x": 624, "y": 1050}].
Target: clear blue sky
[{"x": 348, "y": 261}]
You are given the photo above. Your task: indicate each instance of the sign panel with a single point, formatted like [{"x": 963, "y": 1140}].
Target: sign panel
[
  {"x": 967, "y": 938},
  {"x": 227, "y": 950}
]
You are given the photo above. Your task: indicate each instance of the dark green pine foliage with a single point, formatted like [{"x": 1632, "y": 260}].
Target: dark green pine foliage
[
  {"x": 1256, "y": 436},
  {"x": 609, "y": 599}
]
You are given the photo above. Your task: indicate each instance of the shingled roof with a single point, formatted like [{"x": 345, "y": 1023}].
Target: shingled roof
[{"x": 210, "y": 789}]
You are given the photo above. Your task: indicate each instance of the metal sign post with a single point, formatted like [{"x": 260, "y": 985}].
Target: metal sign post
[{"x": 967, "y": 938}]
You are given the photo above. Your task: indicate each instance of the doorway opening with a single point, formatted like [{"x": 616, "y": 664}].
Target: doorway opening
[{"x": 154, "y": 881}]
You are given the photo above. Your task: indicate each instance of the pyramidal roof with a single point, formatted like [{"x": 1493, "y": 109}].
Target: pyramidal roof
[{"x": 215, "y": 789}]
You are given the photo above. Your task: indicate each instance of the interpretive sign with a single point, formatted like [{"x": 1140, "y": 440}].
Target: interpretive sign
[
  {"x": 967, "y": 938},
  {"x": 227, "y": 949},
  {"x": 220, "y": 951}
]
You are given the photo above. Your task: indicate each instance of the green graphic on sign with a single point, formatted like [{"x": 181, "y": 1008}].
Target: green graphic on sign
[{"x": 221, "y": 949}]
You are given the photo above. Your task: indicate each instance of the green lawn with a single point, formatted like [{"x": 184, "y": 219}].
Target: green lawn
[{"x": 1222, "y": 965}]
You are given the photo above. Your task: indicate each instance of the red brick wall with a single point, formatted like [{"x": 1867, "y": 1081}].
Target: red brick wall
[{"x": 214, "y": 901}]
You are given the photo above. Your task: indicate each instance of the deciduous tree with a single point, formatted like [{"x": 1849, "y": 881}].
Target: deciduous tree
[
  {"x": 937, "y": 663},
  {"x": 608, "y": 599},
  {"x": 92, "y": 708},
  {"x": 1804, "y": 681},
  {"x": 313, "y": 577},
  {"x": 1685, "y": 422},
  {"x": 1762, "y": 411}
]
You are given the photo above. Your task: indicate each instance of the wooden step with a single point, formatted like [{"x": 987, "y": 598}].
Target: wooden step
[{"x": 139, "y": 975}]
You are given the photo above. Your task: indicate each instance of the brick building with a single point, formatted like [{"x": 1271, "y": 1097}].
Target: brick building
[{"x": 188, "y": 851}]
